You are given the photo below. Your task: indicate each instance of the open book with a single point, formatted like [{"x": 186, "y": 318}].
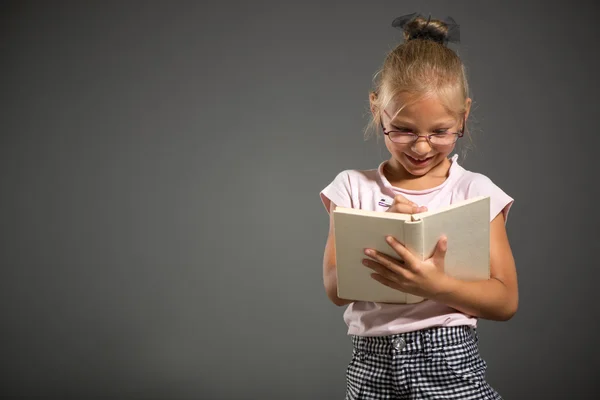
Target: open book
[{"x": 466, "y": 224}]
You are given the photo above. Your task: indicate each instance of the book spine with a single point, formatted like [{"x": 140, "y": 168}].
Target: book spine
[
  {"x": 413, "y": 238},
  {"x": 414, "y": 242}
]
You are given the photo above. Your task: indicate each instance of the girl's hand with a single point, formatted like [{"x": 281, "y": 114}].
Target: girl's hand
[
  {"x": 409, "y": 274},
  {"x": 402, "y": 205}
]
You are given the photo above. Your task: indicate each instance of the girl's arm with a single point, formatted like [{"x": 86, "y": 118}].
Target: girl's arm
[{"x": 495, "y": 298}]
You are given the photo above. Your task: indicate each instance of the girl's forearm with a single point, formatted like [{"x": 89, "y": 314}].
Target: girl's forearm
[
  {"x": 488, "y": 299},
  {"x": 330, "y": 281}
]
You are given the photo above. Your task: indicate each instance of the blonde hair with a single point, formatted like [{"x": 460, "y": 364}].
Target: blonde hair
[{"x": 421, "y": 66}]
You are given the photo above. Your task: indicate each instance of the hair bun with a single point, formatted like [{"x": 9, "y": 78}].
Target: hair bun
[{"x": 415, "y": 26}]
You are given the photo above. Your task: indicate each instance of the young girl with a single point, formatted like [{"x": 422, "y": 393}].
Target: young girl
[{"x": 426, "y": 350}]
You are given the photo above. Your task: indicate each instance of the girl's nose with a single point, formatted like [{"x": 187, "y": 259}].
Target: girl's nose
[{"x": 421, "y": 146}]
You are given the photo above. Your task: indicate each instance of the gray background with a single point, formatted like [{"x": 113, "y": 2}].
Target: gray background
[{"x": 161, "y": 230}]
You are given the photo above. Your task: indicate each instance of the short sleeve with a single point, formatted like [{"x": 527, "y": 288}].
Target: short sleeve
[
  {"x": 339, "y": 191},
  {"x": 500, "y": 202}
]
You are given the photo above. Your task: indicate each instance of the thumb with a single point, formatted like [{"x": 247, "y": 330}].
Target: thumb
[{"x": 440, "y": 251}]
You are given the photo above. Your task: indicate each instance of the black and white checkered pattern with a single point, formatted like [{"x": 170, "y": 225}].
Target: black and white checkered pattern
[{"x": 435, "y": 363}]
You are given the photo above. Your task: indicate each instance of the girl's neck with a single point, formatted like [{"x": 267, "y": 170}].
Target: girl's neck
[{"x": 400, "y": 178}]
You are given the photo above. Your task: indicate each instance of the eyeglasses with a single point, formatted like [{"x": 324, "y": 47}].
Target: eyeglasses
[{"x": 439, "y": 139}]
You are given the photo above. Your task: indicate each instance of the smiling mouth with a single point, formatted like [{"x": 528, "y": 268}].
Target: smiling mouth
[{"x": 417, "y": 161}]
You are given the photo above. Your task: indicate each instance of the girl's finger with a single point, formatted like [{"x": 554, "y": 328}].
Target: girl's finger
[
  {"x": 385, "y": 261},
  {"x": 402, "y": 251},
  {"x": 393, "y": 275},
  {"x": 402, "y": 205},
  {"x": 403, "y": 200},
  {"x": 406, "y": 209}
]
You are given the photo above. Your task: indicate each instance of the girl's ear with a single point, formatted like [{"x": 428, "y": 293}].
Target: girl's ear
[
  {"x": 468, "y": 103},
  {"x": 372, "y": 102}
]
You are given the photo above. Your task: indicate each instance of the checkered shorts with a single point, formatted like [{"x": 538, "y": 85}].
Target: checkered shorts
[{"x": 434, "y": 363}]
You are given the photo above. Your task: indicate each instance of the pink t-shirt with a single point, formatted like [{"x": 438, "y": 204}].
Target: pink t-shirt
[{"x": 364, "y": 190}]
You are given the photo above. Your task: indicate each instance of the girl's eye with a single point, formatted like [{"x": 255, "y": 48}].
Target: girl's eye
[
  {"x": 440, "y": 131},
  {"x": 403, "y": 130}
]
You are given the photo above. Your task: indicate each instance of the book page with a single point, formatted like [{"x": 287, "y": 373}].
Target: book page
[{"x": 468, "y": 230}]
